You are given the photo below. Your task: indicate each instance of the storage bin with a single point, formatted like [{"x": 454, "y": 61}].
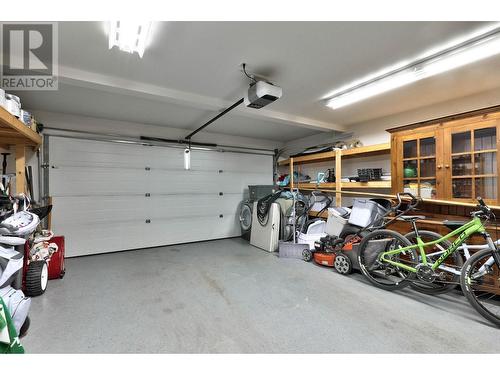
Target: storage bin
[
  {"x": 316, "y": 227},
  {"x": 310, "y": 239},
  {"x": 318, "y": 206},
  {"x": 335, "y": 223},
  {"x": 368, "y": 212}
]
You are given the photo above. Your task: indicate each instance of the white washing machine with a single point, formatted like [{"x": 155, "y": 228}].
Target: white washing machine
[{"x": 266, "y": 237}]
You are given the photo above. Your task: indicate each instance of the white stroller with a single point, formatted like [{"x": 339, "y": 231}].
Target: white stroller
[{"x": 15, "y": 227}]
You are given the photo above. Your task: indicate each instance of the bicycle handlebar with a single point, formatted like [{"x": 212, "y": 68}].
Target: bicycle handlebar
[
  {"x": 481, "y": 202},
  {"x": 414, "y": 200},
  {"x": 484, "y": 210}
]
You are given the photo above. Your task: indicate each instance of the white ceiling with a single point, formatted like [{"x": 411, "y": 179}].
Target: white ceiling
[{"x": 191, "y": 70}]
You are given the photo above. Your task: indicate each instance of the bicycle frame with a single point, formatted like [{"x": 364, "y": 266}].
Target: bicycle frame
[
  {"x": 463, "y": 233},
  {"x": 466, "y": 253}
]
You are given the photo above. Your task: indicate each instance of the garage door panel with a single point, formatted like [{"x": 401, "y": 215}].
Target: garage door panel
[
  {"x": 83, "y": 153},
  {"x": 99, "y": 194},
  {"x": 117, "y": 181},
  {"x": 92, "y": 238},
  {"x": 83, "y": 210},
  {"x": 233, "y": 163},
  {"x": 76, "y": 181},
  {"x": 73, "y": 152}
]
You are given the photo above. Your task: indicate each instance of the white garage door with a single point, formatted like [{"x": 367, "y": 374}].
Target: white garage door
[{"x": 110, "y": 197}]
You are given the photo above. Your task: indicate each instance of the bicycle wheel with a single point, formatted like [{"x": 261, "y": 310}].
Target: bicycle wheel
[
  {"x": 480, "y": 284},
  {"x": 383, "y": 274},
  {"x": 445, "y": 280}
]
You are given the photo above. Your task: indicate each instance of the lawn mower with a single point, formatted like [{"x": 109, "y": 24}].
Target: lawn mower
[{"x": 366, "y": 216}]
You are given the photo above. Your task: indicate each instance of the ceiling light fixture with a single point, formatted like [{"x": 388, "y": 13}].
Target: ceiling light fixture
[
  {"x": 129, "y": 36},
  {"x": 187, "y": 158},
  {"x": 467, "y": 51}
]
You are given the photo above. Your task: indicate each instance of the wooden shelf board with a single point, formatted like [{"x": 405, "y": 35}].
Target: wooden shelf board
[
  {"x": 467, "y": 153},
  {"x": 308, "y": 185},
  {"x": 13, "y": 131},
  {"x": 383, "y": 148},
  {"x": 429, "y": 221},
  {"x": 476, "y": 175},
  {"x": 352, "y": 185},
  {"x": 367, "y": 185},
  {"x": 314, "y": 158}
]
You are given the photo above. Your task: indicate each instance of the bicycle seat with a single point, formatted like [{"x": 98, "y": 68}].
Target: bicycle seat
[
  {"x": 412, "y": 217},
  {"x": 453, "y": 224}
]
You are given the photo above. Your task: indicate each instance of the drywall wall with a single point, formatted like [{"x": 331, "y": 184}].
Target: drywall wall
[{"x": 374, "y": 131}]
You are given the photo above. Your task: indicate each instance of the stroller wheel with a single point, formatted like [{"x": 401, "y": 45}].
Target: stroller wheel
[
  {"x": 24, "y": 328},
  {"x": 37, "y": 276},
  {"x": 342, "y": 264},
  {"x": 307, "y": 255}
]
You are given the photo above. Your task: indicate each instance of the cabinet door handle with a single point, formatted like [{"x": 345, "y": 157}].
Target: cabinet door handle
[
  {"x": 439, "y": 166},
  {"x": 447, "y": 166}
]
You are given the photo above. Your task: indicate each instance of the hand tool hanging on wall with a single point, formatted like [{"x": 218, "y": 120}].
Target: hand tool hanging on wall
[
  {"x": 28, "y": 171},
  {"x": 4, "y": 170},
  {"x": 4, "y": 167}
]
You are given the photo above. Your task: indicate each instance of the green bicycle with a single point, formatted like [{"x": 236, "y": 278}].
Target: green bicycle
[{"x": 390, "y": 261}]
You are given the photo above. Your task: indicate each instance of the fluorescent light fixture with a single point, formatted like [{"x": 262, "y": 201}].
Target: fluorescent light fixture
[
  {"x": 465, "y": 52},
  {"x": 129, "y": 36}
]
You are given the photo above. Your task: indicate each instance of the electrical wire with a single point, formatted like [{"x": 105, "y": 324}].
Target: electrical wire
[{"x": 245, "y": 71}]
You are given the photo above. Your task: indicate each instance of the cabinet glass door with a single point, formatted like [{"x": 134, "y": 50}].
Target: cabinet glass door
[
  {"x": 474, "y": 164},
  {"x": 419, "y": 166}
]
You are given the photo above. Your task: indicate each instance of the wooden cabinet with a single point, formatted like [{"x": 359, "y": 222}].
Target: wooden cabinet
[{"x": 448, "y": 159}]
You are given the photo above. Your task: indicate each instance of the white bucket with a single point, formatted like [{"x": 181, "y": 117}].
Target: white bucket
[
  {"x": 310, "y": 239},
  {"x": 13, "y": 104},
  {"x": 2, "y": 98},
  {"x": 335, "y": 223}
]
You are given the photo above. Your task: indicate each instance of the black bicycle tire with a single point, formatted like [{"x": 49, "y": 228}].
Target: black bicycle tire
[
  {"x": 362, "y": 247},
  {"x": 436, "y": 289},
  {"x": 468, "y": 266}
]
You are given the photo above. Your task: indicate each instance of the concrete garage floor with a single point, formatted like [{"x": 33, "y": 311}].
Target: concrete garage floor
[{"x": 227, "y": 296}]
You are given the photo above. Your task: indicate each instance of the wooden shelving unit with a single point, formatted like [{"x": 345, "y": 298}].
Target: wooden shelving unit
[
  {"x": 336, "y": 157},
  {"x": 15, "y": 133}
]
